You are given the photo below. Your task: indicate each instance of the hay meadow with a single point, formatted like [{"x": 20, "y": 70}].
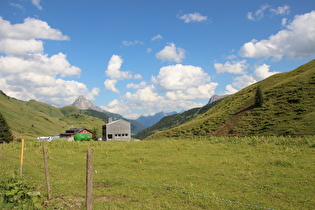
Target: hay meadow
[{"x": 195, "y": 173}]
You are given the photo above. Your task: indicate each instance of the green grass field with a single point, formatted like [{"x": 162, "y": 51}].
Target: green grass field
[{"x": 201, "y": 173}]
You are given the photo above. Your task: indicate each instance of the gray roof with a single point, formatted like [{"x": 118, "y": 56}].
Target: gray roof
[{"x": 113, "y": 122}]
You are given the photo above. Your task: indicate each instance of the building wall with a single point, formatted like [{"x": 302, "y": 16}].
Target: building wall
[{"x": 118, "y": 130}]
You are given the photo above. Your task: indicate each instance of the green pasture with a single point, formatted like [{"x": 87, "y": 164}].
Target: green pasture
[{"x": 200, "y": 173}]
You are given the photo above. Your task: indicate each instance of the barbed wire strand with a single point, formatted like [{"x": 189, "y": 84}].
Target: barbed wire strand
[{"x": 166, "y": 188}]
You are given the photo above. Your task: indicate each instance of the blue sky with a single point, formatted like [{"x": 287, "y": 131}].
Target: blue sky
[{"x": 145, "y": 56}]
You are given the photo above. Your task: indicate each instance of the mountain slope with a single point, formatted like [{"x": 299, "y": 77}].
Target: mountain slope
[
  {"x": 32, "y": 118},
  {"x": 25, "y": 121},
  {"x": 288, "y": 109},
  {"x": 45, "y": 108},
  {"x": 175, "y": 120}
]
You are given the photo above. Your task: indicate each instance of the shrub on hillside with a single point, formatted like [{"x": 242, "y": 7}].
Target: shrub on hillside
[
  {"x": 259, "y": 100},
  {"x": 5, "y": 132}
]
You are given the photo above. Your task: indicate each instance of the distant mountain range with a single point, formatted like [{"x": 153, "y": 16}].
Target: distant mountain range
[{"x": 153, "y": 119}]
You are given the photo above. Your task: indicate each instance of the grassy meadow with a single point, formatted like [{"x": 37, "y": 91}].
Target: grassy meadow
[{"x": 200, "y": 173}]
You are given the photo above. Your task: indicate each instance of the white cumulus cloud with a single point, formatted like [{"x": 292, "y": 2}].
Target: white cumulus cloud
[
  {"x": 40, "y": 64},
  {"x": 262, "y": 72},
  {"x": 137, "y": 86},
  {"x": 184, "y": 82},
  {"x": 114, "y": 73},
  {"x": 180, "y": 77},
  {"x": 31, "y": 29},
  {"x": 146, "y": 94},
  {"x": 171, "y": 53},
  {"x": 297, "y": 41},
  {"x": 113, "y": 69},
  {"x": 116, "y": 106},
  {"x": 234, "y": 67},
  {"x": 20, "y": 47},
  {"x": 110, "y": 84}
]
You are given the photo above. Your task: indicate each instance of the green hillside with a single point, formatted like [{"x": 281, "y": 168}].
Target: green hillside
[
  {"x": 288, "y": 109},
  {"x": 67, "y": 110},
  {"x": 45, "y": 108},
  {"x": 83, "y": 121},
  {"x": 32, "y": 118}
]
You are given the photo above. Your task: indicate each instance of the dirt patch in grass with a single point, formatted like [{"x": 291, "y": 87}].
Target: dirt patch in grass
[
  {"x": 227, "y": 129},
  {"x": 66, "y": 202}
]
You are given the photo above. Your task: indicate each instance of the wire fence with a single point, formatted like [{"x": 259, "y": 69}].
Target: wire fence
[
  {"x": 150, "y": 184},
  {"x": 163, "y": 187}
]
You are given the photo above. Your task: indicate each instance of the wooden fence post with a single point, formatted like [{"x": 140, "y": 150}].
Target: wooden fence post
[
  {"x": 89, "y": 182},
  {"x": 46, "y": 170},
  {"x": 21, "y": 158}
]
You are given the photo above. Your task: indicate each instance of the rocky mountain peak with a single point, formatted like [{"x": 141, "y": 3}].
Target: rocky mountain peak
[
  {"x": 217, "y": 97},
  {"x": 82, "y": 103}
]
